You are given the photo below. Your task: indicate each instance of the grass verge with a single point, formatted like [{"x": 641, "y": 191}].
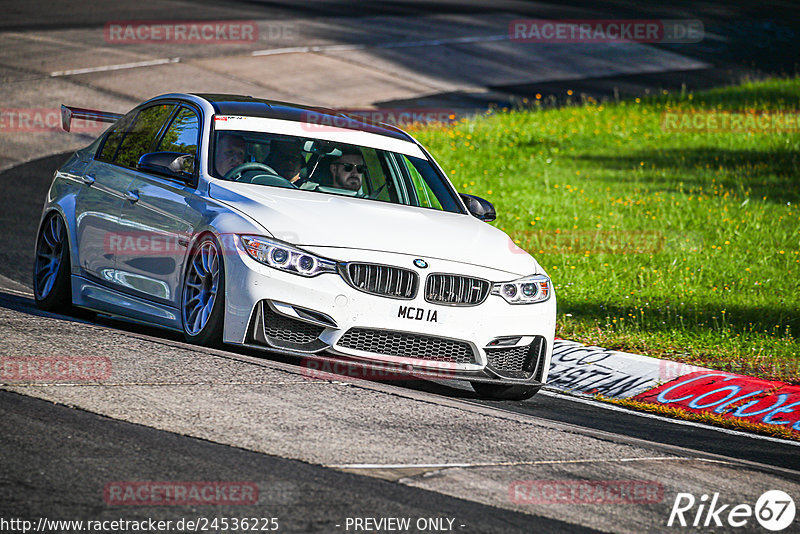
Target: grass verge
[
  {"x": 732, "y": 423},
  {"x": 662, "y": 238}
]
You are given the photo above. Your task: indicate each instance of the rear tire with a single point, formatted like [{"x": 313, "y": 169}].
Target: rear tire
[
  {"x": 500, "y": 392},
  {"x": 203, "y": 298},
  {"x": 52, "y": 288}
]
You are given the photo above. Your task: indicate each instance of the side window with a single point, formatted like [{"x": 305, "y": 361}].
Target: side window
[
  {"x": 375, "y": 176},
  {"x": 114, "y": 137},
  {"x": 182, "y": 134},
  {"x": 142, "y": 134},
  {"x": 427, "y": 198}
]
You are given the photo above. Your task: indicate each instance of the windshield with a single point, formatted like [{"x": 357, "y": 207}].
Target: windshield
[{"x": 329, "y": 167}]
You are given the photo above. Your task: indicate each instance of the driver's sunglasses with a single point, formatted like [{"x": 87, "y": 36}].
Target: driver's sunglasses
[{"x": 348, "y": 167}]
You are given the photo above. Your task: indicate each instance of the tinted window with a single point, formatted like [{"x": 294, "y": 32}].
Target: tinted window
[
  {"x": 425, "y": 195},
  {"x": 182, "y": 134},
  {"x": 142, "y": 134},
  {"x": 114, "y": 137},
  {"x": 333, "y": 168}
]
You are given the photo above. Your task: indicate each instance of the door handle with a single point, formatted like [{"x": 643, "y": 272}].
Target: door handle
[
  {"x": 132, "y": 196},
  {"x": 88, "y": 179}
]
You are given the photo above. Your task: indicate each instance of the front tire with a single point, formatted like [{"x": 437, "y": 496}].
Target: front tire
[
  {"x": 52, "y": 289},
  {"x": 500, "y": 392},
  {"x": 203, "y": 299}
]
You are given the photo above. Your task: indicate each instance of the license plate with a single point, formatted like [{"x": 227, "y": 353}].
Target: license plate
[{"x": 418, "y": 314}]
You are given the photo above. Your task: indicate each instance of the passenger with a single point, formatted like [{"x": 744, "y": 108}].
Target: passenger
[
  {"x": 348, "y": 170},
  {"x": 229, "y": 153},
  {"x": 286, "y": 158}
]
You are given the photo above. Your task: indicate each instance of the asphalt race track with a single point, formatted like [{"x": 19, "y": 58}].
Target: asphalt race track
[
  {"x": 322, "y": 452},
  {"x": 287, "y": 427}
]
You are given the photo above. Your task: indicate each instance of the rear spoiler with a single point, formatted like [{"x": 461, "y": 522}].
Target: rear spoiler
[{"x": 68, "y": 113}]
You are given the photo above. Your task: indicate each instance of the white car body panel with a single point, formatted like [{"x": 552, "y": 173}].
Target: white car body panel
[{"x": 309, "y": 220}]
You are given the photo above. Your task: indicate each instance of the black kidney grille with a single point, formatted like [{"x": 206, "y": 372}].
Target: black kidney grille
[
  {"x": 407, "y": 345},
  {"x": 456, "y": 290},
  {"x": 383, "y": 280}
]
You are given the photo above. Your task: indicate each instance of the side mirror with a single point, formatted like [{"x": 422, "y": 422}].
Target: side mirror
[
  {"x": 169, "y": 164},
  {"x": 478, "y": 207}
]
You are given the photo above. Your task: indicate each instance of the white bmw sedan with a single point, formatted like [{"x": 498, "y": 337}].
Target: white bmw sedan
[{"x": 293, "y": 229}]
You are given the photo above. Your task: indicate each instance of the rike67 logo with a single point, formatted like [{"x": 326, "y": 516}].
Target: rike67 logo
[{"x": 774, "y": 510}]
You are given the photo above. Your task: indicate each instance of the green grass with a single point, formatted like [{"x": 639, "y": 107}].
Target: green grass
[{"x": 680, "y": 245}]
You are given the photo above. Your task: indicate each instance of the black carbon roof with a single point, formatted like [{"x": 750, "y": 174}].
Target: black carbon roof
[{"x": 272, "y": 109}]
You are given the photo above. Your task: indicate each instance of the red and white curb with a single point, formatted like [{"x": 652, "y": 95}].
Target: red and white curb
[{"x": 587, "y": 370}]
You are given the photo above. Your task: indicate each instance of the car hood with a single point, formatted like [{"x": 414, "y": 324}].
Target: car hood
[{"x": 311, "y": 219}]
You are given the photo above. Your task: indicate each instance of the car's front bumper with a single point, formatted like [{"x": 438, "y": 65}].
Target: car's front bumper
[{"x": 324, "y": 316}]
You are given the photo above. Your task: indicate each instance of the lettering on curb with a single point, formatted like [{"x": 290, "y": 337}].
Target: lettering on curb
[
  {"x": 730, "y": 395},
  {"x": 579, "y": 368}
]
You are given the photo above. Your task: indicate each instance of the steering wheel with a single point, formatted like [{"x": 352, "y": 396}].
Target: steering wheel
[{"x": 237, "y": 174}]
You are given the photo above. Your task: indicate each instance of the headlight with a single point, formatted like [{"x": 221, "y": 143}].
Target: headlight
[
  {"x": 285, "y": 257},
  {"x": 528, "y": 290}
]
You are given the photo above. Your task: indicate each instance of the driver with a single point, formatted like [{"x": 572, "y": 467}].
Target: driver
[
  {"x": 229, "y": 153},
  {"x": 348, "y": 170},
  {"x": 286, "y": 157}
]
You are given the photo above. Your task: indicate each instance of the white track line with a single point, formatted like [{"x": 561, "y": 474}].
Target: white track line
[
  {"x": 607, "y": 406},
  {"x": 399, "y": 44},
  {"x": 511, "y": 464},
  {"x": 292, "y": 50},
  {"x": 121, "y": 66},
  {"x": 15, "y": 292}
]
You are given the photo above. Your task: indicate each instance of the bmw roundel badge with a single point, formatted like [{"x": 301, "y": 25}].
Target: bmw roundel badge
[{"x": 422, "y": 264}]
